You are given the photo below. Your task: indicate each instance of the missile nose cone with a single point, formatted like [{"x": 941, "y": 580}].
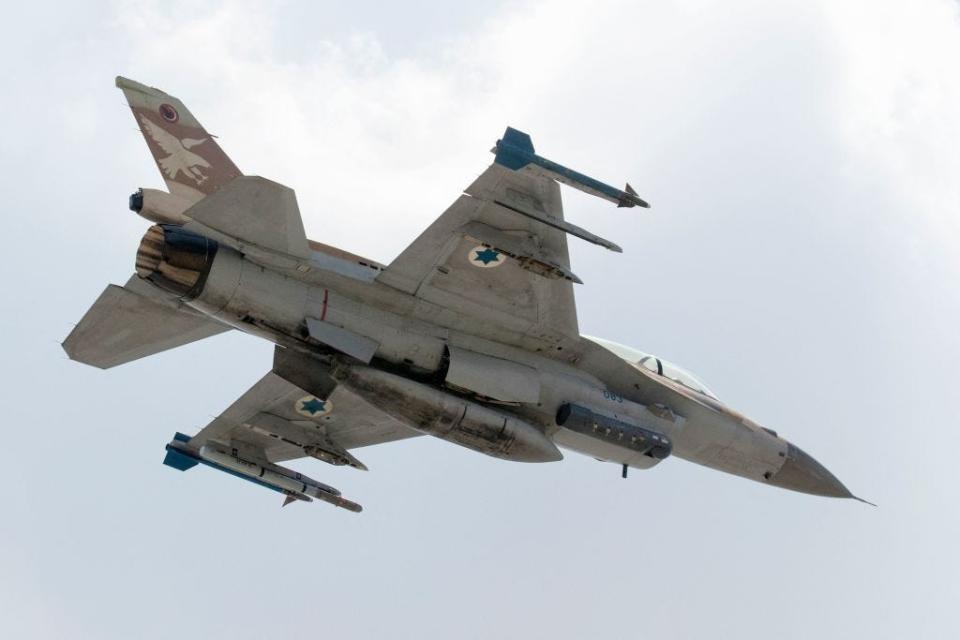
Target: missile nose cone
[{"x": 802, "y": 473}]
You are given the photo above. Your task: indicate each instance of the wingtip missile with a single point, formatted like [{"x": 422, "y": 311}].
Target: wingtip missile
[
  {"x": 515, "y": 151},
  {"x": 294, "y": 486}
]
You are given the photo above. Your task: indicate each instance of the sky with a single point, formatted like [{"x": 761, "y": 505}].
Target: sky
[{"x": 801, "y": 256}]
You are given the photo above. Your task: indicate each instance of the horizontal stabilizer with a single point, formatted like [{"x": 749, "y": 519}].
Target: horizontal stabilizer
[
  {"x": 124, "y": 325},
  {"x": 252, "y": 211}
]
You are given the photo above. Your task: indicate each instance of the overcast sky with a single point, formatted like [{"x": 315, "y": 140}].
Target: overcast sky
[{"x": 801, "y": 256}]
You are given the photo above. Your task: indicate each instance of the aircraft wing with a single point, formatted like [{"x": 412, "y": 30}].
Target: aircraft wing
[
  {"x": 498, "y": 258},
  {"x": 460, "y": 262},
  {"x": 276, "y": 421}
]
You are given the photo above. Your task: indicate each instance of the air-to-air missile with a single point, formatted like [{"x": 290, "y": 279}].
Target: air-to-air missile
[
  {"x": 515, "y": 151},
  {"x": 295, "y": 486},
  {"x": 469, "y": 335}
]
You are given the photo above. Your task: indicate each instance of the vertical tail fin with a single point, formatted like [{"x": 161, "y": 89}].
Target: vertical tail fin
[{"x": 192, "y": 164}]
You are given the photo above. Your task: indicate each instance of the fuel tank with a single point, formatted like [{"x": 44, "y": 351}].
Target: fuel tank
[{"x": 449, "y": 417}]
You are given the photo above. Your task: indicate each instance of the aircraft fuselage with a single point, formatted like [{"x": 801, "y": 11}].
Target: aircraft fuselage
[{"x": 489, "y": 390}]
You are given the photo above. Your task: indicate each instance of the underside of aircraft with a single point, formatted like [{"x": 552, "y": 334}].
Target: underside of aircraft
[{"x": 469, "y": 335}]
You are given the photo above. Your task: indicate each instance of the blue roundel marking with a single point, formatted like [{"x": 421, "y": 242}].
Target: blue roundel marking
[
  {"x": 485, "y": 257},
  {"x": 313, "y": 407}
]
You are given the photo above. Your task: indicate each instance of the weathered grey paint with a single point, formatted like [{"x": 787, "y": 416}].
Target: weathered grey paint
[{"x": 469, "y": 335}]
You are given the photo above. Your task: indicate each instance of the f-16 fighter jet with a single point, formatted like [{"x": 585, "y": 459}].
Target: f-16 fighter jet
[{"x": 470, "y": 335}]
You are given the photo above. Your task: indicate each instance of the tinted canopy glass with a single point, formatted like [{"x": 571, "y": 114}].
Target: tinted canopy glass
[{"x": 656, "y": 365}]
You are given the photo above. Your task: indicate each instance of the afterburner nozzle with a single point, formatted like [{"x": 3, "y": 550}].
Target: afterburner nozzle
[{"x": 175, "y": 259}]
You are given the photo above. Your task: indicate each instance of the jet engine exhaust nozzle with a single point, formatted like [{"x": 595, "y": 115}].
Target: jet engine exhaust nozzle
[{"x": 174, "y": 259}]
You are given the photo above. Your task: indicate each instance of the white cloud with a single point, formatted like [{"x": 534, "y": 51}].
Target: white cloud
[
  {"x": 386, "y": 139},
  {"x": 801, "y": 158},
  {"x": 899, "y": 87},
  {"x": 356, "y": 132}
]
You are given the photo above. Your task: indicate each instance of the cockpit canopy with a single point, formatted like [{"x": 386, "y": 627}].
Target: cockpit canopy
[{"x": 656, "y": 365}]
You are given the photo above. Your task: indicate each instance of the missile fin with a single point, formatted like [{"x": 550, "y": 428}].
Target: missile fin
[
  {"x": 631, "y": 199},
  {"x": 294, "y": 497}
]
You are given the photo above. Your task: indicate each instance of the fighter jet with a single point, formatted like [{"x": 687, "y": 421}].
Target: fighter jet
[{"x": 470, "y": 335}]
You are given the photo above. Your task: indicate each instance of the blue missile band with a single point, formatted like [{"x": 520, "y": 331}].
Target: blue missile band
[
  {"x": 515, "y": 151},
  {"x": 182, "y": 460},
  {"x": 179, "y": 460},
  {"x": 518, "y": 140}
]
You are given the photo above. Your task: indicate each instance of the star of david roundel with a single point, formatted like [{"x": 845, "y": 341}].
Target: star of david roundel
[
  {"x": 485, "y": 257},
  {"x": 313, "y": 407}
]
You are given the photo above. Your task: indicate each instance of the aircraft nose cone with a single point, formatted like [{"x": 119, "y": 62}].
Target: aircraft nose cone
[{"x": 802, "y": 473}]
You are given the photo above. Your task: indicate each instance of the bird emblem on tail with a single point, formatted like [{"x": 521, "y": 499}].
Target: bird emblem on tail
[{"x": 179, "y": 158}]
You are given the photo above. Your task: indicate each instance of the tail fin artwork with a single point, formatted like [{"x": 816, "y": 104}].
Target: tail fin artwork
[
  {"x": 246, "y": 210},
  {"x": 138, "y": 319},
  {"x": 192, "y": 163}
]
